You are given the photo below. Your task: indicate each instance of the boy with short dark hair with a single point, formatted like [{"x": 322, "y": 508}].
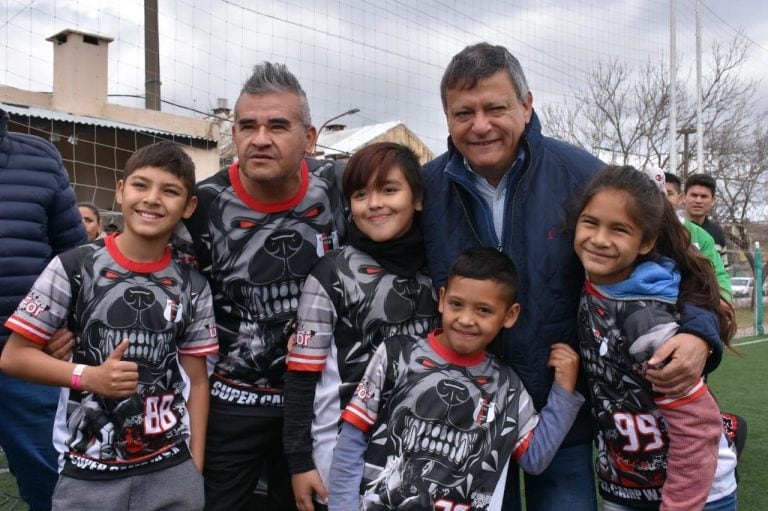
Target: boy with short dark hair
[
  {"x": 433, "y": 424},
  {"x": 126, "y": 409},
  {"x": 700, "y": 192},
  {"x": 704, "y": 180},
  {"x": 700, "y": 238}
]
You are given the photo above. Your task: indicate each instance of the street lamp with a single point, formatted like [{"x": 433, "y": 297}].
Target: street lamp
[{"x": 326, "y": 123}]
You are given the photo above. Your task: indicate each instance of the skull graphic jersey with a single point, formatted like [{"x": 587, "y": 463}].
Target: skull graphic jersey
[
  {"x": 256, "y": 257},
  {"x": 348, "y": 306},
  {"x": 164, "y": 309},
  {"x": 441, "y": 426},
  {"x": 620, "y": 327}
]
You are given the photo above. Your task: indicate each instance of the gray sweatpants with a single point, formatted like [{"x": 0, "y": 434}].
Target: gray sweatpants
[{"x": 179, "y": 487}]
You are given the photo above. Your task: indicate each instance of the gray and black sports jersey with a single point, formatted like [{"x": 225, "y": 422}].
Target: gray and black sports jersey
[
  {"x": 351, "y": 302},
  {"x": 617, "y": 336},
  {"x": 348, "y": 306},
  {"x": 165, "y": 310},
  {"x": 256, "y": 257},
  {"x": 442, "y": 426}
]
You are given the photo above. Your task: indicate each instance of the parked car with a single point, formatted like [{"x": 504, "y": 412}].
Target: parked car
[{"x": 742, "y": 286}]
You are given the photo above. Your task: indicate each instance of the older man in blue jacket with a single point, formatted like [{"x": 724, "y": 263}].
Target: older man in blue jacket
[
  {"x": 503, "y": 184},
  {"x": 38, "y": 219}
]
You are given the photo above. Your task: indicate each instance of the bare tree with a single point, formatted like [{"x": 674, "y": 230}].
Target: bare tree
[
  {"x": 741, "y": 167},
  {"x": 624, "y": 113},
  {"x": 619, "y": 112}
]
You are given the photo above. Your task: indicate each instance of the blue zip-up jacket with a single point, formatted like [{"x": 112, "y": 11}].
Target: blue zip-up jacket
[
  {"x": 534, "y": 236},
  {"x": 39, "y": 217}
]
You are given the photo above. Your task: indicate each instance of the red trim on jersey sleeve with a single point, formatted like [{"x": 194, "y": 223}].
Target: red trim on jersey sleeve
[
  {"x": 27, "y": 330},
  {"x": 130, "y": 264},
  {"x": 696, "y": 392},
  {"x": 358, "y": 417},
  {"x": 200, "y": 351},
  {"x": 303, "y": 362},
  {"x": 451, "y": 356},
  {"x": 268, "y": 207},
  {"x": 522, "y": 446}
]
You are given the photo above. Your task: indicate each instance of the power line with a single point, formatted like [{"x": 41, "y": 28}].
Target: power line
[
  {"x": 332, "y": 34},
  {"x": 739, "y": 32},
  {"x": 29, "y": 4}
]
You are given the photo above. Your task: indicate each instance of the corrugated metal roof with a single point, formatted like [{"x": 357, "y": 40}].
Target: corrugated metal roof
[
  {"x": 347, "y": 141},
  {"x": 46, "y": 113}
]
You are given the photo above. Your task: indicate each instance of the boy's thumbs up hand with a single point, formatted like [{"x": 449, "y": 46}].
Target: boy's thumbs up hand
[
  {"x": 115, "y": 377},
  {"x": 120, "y": 350}
]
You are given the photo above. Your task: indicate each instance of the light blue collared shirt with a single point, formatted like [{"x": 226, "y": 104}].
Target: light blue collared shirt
[{"x": 496, "y": 197}]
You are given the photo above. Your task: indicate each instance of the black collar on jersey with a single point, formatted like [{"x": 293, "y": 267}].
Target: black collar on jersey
[{"x": 403, "y": 256}]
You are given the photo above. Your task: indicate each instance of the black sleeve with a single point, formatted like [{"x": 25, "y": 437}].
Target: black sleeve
[
  {"x": 298, "y": 411},
  {"x": 703, "y": 323}
]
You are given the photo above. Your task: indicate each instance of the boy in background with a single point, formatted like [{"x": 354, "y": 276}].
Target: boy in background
[
  {"x": 700, "y": 238},
  {"x": 434, "y": 423},
  {"x": 126, "y": 410},
  {"x": 699, "y": 200}
]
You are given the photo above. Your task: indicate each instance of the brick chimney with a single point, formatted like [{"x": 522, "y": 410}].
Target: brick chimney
[{"x": 79, "y": 72}]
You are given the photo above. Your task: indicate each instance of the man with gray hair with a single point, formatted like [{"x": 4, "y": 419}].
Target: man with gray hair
[
  {"x": 260, "y": 226},
  {"x": 503, "y": 184}
]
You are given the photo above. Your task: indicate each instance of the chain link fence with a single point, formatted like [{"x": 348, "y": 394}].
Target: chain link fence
[{"x": 750, "y": 289}]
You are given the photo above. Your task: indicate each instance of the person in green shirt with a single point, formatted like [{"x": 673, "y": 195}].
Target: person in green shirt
[{"x": 700, "y": 238}]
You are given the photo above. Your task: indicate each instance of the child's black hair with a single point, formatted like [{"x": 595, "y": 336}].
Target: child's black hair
[
  {"x": 674, "y": 181},
  {"x": 704, "y": 180},
  {"x": 485, "y": 263},
  {"x": 655, "y": 216},
  {"x": 168, "y": 156},
  {"x": 374, "y": 161}
]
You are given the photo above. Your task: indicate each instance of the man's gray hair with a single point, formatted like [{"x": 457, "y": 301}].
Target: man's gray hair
[
  {"x": 479, "y": 61},
  {"x": 269, "y": 77}
]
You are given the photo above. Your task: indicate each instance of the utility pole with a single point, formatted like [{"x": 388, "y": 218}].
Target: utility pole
[
  {"x": 699, "y": 106},
  {"x": 151, "y": 56},
  {"x": 686, "y": 159},
  {"x": 673, "y": 86}
]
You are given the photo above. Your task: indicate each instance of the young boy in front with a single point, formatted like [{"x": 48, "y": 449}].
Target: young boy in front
[
  {"x": 126, "y": 409},
  {"x": 433, "y": 424}
]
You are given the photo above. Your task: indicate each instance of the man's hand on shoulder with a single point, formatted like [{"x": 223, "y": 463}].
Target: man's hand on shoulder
[{"x": 681, "y": 363}]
